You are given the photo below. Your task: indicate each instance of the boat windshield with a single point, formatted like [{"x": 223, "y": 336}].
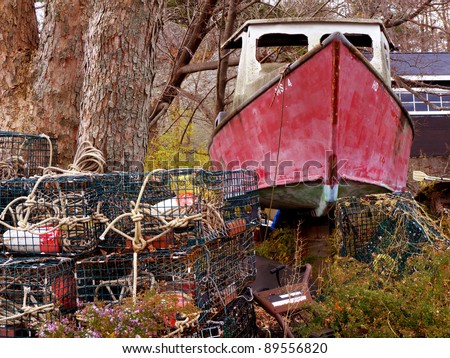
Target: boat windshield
[{"x": 274, "y": 48}]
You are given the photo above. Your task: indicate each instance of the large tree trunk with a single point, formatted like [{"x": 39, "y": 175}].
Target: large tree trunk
[
  {"x": 18, "y": 41},
  {"x": 119, "y": 70},
  {"x": 59, "y": 75}
]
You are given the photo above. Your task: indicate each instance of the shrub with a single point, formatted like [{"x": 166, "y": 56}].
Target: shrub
[
  {"x": 280, "y": 246},
  {"x": 356, "y": 301}
]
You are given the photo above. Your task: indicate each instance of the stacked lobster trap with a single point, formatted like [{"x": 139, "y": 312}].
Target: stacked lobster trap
[
  {"x": 45, "y": 220},
  {"x": 178, "y": 208},
  {"x": 45, "y": 223},
  {"x": 49, "y": 215},
  {"x": 25, "y": 155},
  {"x": 30, "y": 287},
  {"x": 192, "y": 230},
  {"x": 71, "y": 239},
  {"x": 31, "y": 290},
  {"x": 212, "y": 275}
]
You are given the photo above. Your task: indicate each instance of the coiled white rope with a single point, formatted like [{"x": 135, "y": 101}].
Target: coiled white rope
[{"x": 88, "y": 159}]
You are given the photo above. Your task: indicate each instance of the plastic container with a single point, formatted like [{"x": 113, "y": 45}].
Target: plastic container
[
  {"x": 175, "y": 206},
  {"x": 44, "y": 240}
]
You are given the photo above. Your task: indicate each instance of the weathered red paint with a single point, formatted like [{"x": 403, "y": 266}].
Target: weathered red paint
[{"x": 333, "y": 121}]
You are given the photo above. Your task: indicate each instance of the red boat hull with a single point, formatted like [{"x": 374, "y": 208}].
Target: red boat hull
[{"x": 328, "y": 127}]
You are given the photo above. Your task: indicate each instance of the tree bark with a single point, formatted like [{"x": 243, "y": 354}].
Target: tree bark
[
  {"x": 18, "y": 41},
  {"x": 119, "y": 64},
  {"x": 59, "y": 75}
]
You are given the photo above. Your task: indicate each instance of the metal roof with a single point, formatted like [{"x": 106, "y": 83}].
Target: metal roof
[{"x": 421, "y": 63}]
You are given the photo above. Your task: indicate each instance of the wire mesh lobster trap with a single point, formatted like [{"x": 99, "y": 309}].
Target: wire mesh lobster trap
[
  {"x": 176, "y": 209},
  {"x": 212, "y": 274},
  {"x": 51, "y": 214},
  {"x": 223, "y": 269},
  {"x": 384, "y": 229},
  {"x": 25, "y": 155},
  {"x": 32, "y": 289},
  {"x": 236, "y": 320},
  {"x": 109, "y": 278}
]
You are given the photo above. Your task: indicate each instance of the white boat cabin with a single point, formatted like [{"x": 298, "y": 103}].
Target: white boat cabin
[{"x": 268, "y": 45}]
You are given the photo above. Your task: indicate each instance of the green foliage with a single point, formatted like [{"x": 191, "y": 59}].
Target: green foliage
[
  {"x": 173, "y": 147},
  {"x": 356, "y": 301},
  {"x": 444, "y": 225},
  {"x": 280, "y": 246},
  {"x": 152, "y": 315}
]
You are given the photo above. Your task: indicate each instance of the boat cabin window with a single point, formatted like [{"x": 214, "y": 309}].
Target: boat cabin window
[
  {"x": 280, "y": 48},
  {"x": 362, "y": 42}
]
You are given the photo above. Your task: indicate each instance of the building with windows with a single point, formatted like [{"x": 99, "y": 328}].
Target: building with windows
[{"x": 432, "y": 124}]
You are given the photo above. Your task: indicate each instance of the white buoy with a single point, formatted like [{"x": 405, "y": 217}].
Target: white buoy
[{"x": 41, "y": 240}]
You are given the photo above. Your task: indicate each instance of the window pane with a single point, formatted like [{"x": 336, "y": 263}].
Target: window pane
[
  {"x": 446, "y": 98},
  {"x": 420, "y": 106},
  {"x": 409, "y": 106},
  {"x": 406, "y": 97},
  {"x": 434, "y": 98},
  {"x": 417, "y": 99}
]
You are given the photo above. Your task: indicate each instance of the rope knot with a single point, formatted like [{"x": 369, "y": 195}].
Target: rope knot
[
  {"x": 136, "y": 215},
  {"x": 139, "y": 243},
  {"x": 99, "y": 218},
  {"x": 30, "y": 202}
]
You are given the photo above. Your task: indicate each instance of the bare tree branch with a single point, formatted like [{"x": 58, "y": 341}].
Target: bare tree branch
[
  {"x": 205, "y": 66},
  {"x": 199, "y": 100},
  {"x": 246, "y": 6},
  {"x": 223, "y": 58},
  {"x": 432, "y": 27},
  {"x": 195, "y": 33},
  {"x": 193, "y": 112},
  {"x": 408, "y": 17}
]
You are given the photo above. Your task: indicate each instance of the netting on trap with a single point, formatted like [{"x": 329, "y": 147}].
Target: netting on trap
[
  {"x": 32, "y": 289},
  {"x": 223, "y": 269},
  {"x": 25, "y": 155},
  {"x": 52, "y": 215},
  {"x": 384, "y": 229},
  {"x": 212, "y": 275},
  {"x": 109, "y": 278},
  {"x": 176, "y": 209},
  {"x": 236, "y": 320}
]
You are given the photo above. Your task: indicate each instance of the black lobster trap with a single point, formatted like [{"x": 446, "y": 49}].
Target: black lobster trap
[
  {"x": 51, "y": 215},
  {"x": 384, "y": 230},
  {"x": 236, "y": 320},
  {"x": 212, "y": 275},
  {"x": 109, "y": 278},
  {"x": 177, "y": 209},
  {"x": 32, "y": 289},
  {"x": 25, "y": 155}
]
